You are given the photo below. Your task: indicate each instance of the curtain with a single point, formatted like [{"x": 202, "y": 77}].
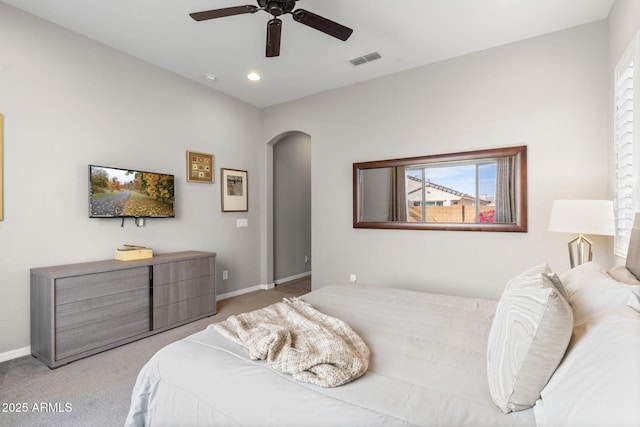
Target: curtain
[
  {"x": 506, "y": 190},
  {"x": 398, "y": 195}
]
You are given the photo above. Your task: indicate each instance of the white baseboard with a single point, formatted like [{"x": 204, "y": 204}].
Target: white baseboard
[
  {"x": 245, "y": 291},
  {"x": 294, "y": 277},
  {"x": 14, "y": 354}
]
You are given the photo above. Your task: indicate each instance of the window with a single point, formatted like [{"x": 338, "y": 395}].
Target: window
[
  {"x": 482, "y": 190},
  {"x": 626, "y": 144},
  {"x": 471, "y": 185}
]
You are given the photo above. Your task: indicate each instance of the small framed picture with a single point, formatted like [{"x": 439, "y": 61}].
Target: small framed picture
[
  {"x": 200, "y": 167},
  {"x": 235, "y": 190}
]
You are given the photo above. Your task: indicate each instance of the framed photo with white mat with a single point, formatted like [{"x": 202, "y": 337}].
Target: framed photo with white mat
[{"x": 234, "y": 188}]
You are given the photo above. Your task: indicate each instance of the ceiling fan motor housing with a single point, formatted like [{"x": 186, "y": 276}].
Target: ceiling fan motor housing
[{"x": 277, "y": 7}]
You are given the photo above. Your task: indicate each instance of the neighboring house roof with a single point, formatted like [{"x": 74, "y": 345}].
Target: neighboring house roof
[{"x": 414, "y": 186}]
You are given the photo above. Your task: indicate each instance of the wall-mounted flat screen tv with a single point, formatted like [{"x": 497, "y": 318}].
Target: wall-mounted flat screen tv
[{"x": 117, "y": 193}]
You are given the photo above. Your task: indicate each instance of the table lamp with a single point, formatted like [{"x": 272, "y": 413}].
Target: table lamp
[{"x": 583, "y": 217}]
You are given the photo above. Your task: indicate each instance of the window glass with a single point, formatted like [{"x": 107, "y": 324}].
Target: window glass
[{"x": 462, "y": 193}]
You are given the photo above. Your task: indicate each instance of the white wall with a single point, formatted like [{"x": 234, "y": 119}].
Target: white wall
[
  {"x": 68, "y": 102},
  {"x": 623, "y": 23},
  {"x": 549, "y": 93}
]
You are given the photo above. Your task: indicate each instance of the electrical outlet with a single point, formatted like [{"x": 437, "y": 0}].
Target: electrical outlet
[
  {"x": 225, "y": 274},
  {"x": 306, "y": 259},
  {"x": 352, "y": 278}
]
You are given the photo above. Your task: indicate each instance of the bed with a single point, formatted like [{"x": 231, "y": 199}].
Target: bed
[{"x": 555, "y": 350}]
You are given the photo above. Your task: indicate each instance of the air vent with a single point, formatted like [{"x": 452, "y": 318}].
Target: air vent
[{"x": 366, "y": 58}]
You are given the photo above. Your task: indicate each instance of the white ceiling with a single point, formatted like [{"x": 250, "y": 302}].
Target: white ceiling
[{"x": 407, "y": 33}]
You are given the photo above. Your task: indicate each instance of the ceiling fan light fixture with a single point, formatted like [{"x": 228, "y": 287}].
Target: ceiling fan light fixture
[{"x": 253, "y": 76}]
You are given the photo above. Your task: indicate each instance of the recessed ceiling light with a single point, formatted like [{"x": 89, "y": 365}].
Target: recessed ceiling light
[{"x": 253, "y": 76}]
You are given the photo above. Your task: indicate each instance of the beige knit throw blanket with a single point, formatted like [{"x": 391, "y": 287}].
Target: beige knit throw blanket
[{"x": 295, "y": 338}]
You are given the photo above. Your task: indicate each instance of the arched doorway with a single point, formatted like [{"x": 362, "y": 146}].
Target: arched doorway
[{"x": 291, "y": 207}]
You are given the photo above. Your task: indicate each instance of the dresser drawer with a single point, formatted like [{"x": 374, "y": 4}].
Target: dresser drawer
[
  {"x": 184, "y": 310},
  {"x": 95, "y": 335},
  {"x": 71, "y": 289},
  {"x": 178, "y": 291},
  {"x": 79, "y": 313},
  {"x": 183, "y": 270}
]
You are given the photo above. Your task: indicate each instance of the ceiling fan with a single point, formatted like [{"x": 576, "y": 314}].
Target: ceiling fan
[{"x": 274, "y": 26}]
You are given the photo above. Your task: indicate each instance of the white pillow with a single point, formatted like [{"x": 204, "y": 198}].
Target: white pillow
[
  {"x": 533, "y": 274},
  {"x": 598, "y": 382},
  {"x": 622, "y": 274},
  {"x": 591, "y": 290},
  {"x": 557, "y": 282},
  {"x": 528, "y": 337}
]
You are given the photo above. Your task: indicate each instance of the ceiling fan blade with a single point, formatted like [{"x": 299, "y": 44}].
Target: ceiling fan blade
[
  {"x": 325, "y": 25},
  {"x": 274, "y": 31},
  {"x": 221, "y": 13}
]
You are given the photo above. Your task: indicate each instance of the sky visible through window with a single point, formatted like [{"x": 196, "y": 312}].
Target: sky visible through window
[{"x": 462, "y": 178}]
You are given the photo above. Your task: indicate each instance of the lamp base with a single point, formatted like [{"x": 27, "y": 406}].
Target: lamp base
[{"x": 580, "y": 249}]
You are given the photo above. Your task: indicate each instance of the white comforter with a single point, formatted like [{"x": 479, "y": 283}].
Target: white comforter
[{"x": 427, "y": 368}]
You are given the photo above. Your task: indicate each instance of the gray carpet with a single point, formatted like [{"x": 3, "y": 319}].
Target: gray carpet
[{"x": 96, "y": 391}]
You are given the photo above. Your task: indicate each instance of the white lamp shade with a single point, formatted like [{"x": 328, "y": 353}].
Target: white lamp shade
[{"x": 582, "y": 217}]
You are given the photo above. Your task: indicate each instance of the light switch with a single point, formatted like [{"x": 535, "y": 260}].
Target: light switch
[{"x": 242, "y": 222}]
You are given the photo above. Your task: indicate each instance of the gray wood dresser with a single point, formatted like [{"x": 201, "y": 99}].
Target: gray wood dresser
[{"x": 81, "y": 309}]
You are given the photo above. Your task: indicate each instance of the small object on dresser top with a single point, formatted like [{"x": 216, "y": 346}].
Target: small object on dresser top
[
  {"x": 133, "y": 252},
  {"x": 131, "y": 247}
]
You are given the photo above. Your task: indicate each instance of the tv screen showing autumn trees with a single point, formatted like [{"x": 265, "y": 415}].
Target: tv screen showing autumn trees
[{"x": 122, "y": 192}]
